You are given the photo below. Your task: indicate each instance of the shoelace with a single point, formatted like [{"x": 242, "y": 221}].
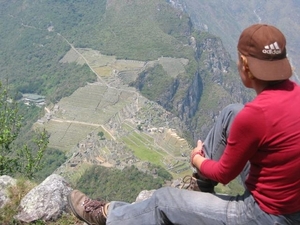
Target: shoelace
[
  {"x": 188, "y": 182},
  {"x": 94, "y": 206}
]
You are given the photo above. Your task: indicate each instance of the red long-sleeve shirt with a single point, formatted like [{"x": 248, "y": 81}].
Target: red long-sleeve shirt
[{"x": 267, "y": 133}]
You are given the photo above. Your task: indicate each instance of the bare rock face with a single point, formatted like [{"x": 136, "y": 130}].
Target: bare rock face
[
  {"x": 46, "y": 202},
  {"x": 5, "y": 182},
  {"x": 143, "y": 195}
]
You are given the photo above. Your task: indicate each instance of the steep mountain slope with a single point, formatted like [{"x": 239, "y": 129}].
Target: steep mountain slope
[
  {"x": 42, "y": 32},
  {"x": 159, "y": 80},
  {"x": 226, "y": 19}
]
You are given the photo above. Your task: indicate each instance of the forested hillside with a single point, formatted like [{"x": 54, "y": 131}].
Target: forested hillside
[{"x": 126, "y": 82}]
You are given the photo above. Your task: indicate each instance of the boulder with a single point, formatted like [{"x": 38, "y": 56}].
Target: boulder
[
  {"x": 143, "y": 195},
  {"x": 5, "y": 182},
  {"x": 46, "y": 201}
]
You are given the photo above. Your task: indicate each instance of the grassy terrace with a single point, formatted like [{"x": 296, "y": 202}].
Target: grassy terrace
[
  {"x": 143, "y": 152},
  {"x": 111, "y": 107},
  {"x": 160, "y": 149},
  {"x": 143, "y": 146}
]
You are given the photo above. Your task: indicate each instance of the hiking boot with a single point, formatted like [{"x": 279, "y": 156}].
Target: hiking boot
[
  {"x": 196, "y": 183},
  {"x": 93, "y": 212}
]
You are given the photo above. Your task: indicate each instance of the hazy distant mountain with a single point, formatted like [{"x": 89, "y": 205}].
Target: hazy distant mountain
[{"x": 227, "y": 18}]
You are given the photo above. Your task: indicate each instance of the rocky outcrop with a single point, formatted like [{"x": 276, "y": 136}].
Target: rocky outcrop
[
  {"x": 46, "y": 202},
  {"x": 5, "y": 183}
]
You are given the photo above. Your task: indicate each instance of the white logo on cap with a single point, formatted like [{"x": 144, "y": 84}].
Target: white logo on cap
[{"x": 272, "y": 49}]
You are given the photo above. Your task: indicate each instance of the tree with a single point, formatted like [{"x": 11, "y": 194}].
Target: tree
[
  {"x": 25, "y": 160},
  {"x": 30, "y": 161},
  {"x": 101, "y": 135}
]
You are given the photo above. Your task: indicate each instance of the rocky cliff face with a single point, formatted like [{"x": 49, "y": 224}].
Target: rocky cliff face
[
  {"x": 188, "y": 105},
  {"x": 197, "y": 100}
]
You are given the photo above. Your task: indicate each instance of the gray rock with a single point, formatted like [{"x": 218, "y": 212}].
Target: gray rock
[
  {"x": 143, "y": 195},
  {"x": 45, "y": 202},
  {"x": 5, "y": 182}
]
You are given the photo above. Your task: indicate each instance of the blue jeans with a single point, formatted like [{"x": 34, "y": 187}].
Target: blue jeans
[{"x": 178, "y": 206}]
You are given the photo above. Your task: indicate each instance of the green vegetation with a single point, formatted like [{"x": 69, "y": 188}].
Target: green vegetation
[
  {"x": 52, "y": 159},
  {"x": 97, "y": 182},
  {"x": 163, "y": 150},
  {"x": 31, "y": 53},
  {"x": 25, "y": 160},
  {"x": 161, "y": 172},
  {"x": 16, "y": 193},
  {"x": 40, "y": 39},
  {"x": 35, "y": 37},
  {"x": 101, "y": 135},
  {"x": 145, "y": 34},
  {"x": 143, "y": 152},
  {"x": 153, "y": 82},
  {"x": 23, "y": 151},
  {"x": 36, "y": 40}
]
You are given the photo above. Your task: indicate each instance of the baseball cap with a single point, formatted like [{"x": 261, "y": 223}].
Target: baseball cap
[{"x": 264, "y": 47}]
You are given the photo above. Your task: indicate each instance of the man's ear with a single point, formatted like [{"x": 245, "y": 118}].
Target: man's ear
[
  {"x": 245, "y": 62},
  {"x": 246, "y": 67}
]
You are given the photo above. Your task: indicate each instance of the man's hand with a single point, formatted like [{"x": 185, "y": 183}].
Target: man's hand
[
  {"x": 197, "y": 157},
  {"x": 197, "y": 151}
]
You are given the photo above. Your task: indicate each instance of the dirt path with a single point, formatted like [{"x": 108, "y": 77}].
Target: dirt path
[{"x": 84, "y": 123}]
